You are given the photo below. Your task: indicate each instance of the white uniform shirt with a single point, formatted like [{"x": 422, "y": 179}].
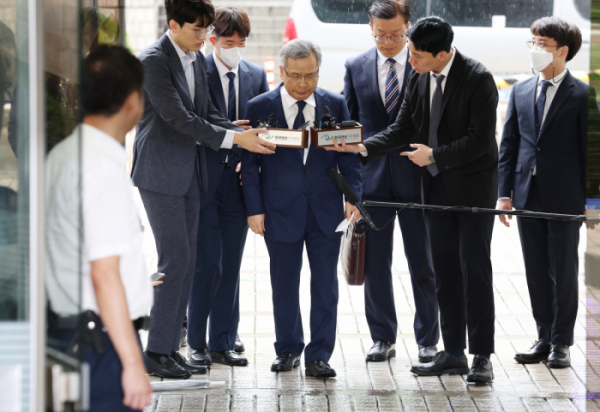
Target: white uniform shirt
[
  {"x": 290, "y": 110},
  {"x": 383, "y": 68},
  {"x": 109, "y": 226},
  {"x": 187, "y": 60},
  {"x": 225, "y": 84}
]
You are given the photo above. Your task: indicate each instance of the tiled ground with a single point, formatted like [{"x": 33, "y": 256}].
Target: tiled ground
[{"x": 390, "y": 386}]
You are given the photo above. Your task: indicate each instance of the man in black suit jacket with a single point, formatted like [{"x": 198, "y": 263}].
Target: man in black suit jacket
[
  {"x": 450, "y": 105},
  {"x": 542, "y": 168}
]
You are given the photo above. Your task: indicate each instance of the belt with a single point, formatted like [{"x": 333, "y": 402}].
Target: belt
[{"x": 70, "y": 322}]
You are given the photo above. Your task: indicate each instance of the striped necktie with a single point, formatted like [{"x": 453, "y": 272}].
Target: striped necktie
[{"x": 392, "y": 87}]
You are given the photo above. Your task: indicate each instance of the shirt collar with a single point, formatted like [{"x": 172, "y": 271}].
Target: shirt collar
[
  {"x": 288, "y": 101},
  {"x": 182, "y": 55},
  {"x": 222, "y": 69},
  {"x": 557, "y": 79},
  {"x": 448, "y": 66},
  {"x": 115, "y": 150},
  {"x": 400, "y": 57}
]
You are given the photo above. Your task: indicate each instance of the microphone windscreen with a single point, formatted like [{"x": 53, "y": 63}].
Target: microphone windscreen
[{"x": 344, "y": 187}]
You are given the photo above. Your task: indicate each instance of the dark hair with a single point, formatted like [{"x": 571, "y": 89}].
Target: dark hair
[
  {"x": 190, "y": 11},
  {"x": 565, "y": 33},
  {"x": 110, "y": 74},
  {"x": 389, "y": 9},
  {"x": 431, "y": 34},
  {"x": 230, "y": 20}
]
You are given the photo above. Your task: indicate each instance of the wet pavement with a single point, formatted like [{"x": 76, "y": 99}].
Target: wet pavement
[{"x": 389, "y": 386}]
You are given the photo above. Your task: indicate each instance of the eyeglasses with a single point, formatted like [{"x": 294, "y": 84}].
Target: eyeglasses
[
  {"x": 296, "y": 77},
  {"x": 532, "y": 44},
  {"x": 202, "y": 32},
  {"x": 394, "y": 39}
]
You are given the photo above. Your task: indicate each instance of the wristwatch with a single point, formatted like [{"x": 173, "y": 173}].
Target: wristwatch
[{"x": 431, "y": 159}]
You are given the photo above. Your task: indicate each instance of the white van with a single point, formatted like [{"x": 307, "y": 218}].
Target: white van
[{"x": 493, "y": 32}]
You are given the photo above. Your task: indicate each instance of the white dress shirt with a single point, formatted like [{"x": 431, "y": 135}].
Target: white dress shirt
[
  {"x": 109, "y": 224},
  {"x": 290, "y": 110},
  {"x": 187, "y": 62},
  {"x": 383, "y": 68},
  {"x": 432, "y": 80},
  {"x": 223, "y": 70}
]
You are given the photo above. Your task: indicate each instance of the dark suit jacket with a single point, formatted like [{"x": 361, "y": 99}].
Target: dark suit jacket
[
  {"x": 361, "y": 91},
  {"x": 280, "y": 185},
  {"x": 559, "y": 152},
  {"x": 253, "y": 81},
  {"x": 467, "y": 155},
  {"x": 164, "y": 153}
]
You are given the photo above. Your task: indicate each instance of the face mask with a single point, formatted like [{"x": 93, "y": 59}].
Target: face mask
[
  {"x": 232, "y": 57},
  {"x": 540, "y": 59}
]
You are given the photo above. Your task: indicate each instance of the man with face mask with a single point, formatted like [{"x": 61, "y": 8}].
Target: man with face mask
[
  {"x": 542, "y": 168},
  {"x": 223, "y": 227}
]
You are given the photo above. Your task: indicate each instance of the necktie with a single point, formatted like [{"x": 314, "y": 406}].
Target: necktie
[
  {"x": 435, "y": 115},
  {"x": 539, "y": 107},
  {"x": 299, "y": 120},
  {"x": 231, "y": 101},
  {"x": 392, "y": 87}
]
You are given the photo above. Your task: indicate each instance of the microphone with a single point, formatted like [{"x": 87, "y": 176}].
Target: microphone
[{"x": 351, "y": 197}]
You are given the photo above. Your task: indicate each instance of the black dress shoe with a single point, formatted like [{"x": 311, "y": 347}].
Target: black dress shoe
[
  {"x": 320, "y": 369},
  {"x": 228, "y": 357},
  {"x": 285, "y": 362},
  {"x": 182, "y": 361},
  {"x": 183, "y": 338},
  {"x": 200, "y": 357},
  {"x": 481, "y": 370},
  {"x": 537, "y": 353},
  {"x": 426, "y": 353},
  {"x": 559, "y": 357},
  {"x": 166, "y": 367},
  {"x": 443, "y": 364},
  {"x": 239, "y": 345},
  {"x": 381, "y": 351}
]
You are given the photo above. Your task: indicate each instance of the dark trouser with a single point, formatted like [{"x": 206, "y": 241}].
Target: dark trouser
[
  {"x": 174, "y": 222},
  {"x": 286, "y": 264},
  {"x": 215, "y": 292},
  {"x": 379, "y": 293},
  {"x": 106, "y": 392},
  {"x": 460, "y": 246},
  {"x": 552, "y": 268}
]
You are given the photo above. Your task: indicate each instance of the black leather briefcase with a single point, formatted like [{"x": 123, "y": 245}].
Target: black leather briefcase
[{"x": 352, "y": 253}]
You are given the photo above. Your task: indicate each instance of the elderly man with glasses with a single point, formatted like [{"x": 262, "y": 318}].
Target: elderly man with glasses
[{"x": 292, "y": 201}]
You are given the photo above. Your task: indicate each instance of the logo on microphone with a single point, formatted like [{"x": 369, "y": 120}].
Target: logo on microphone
[{"x": 326, "y": 137}]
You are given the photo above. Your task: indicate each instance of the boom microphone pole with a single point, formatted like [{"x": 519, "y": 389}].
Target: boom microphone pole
[{"x": 352, "y": 198}]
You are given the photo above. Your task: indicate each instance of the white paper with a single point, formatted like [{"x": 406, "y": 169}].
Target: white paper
[{"x": 344, "y": 224}]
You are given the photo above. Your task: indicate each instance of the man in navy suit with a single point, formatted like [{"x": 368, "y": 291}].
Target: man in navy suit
[
  {"x": 223, "y": 221},
  {"x": 178, "y": 127},
  {"x": 542, "y": 169},
  {"x": 374, "y": 90},
  {"x": 292, "y": 201}
]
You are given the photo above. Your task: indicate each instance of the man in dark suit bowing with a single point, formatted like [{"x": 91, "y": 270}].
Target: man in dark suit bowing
[
  {"x": 542, "y": 168},
  {"x": 178, "y": 127},
  {"x": 374, "y": 89},
  {"x": 292, "y": 201},
  {"x": 223, "y": 224},
  {"x": 450, "y": 105}
]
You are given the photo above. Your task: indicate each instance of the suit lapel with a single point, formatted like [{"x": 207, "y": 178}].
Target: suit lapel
[
  {"x": 453, "y": 78},
  {"x": 562, "y": 94},
  {"x": 245, "y": 85},
  {"x": 276, "y": 109},
  {"x": 371, "y": 77},
  {"x": 178, "y": 68},
  {"x": 215, "y": 79},
  {"x": 424, "y": 98},
  {"x": 530, "y": 99}
]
